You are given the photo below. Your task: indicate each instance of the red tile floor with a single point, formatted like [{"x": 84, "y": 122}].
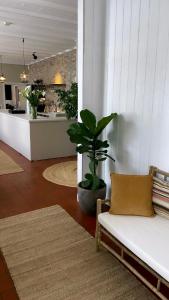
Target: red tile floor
[{"x": 28, "y": 190}]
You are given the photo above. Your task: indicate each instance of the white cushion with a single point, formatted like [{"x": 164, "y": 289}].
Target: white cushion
[{"x": 146, "y": 237}]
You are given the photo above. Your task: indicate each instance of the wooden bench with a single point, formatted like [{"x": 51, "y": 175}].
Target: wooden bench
[{"x": 146, "y": 239}]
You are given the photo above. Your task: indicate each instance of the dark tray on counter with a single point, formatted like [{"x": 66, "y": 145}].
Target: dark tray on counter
[{"x": 16, "y": 111}]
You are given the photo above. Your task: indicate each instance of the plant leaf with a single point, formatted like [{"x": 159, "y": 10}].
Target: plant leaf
[
  {"x": 89, "y": 119},
  {"x": 96, "y": 183},
  {"x": 85, "y": 131},
  {"x": 107, "y": 155},
  {"x": 101, "y": 144},
  {"x": 103, "y": 123},
  {"x": 79, "y": 130},
  {"x": 82, "y": 148},
  {"x": 89, "y": 176},
  {"x": 78, "y": 139},
  {"x": 101, "y": 151},
  {"x": 86, "y": 184},
  {"x": 102, "y": 159}
]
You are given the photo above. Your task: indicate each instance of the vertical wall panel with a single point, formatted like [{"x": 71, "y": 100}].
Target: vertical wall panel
[
  {"x": 159, "y": 87},
  {"x": 125, "y": 54},
  {"x": 125, "y": 68},
  {"x": 111, "y": 16},
  {"x": 143, "y": 39},
  {"x": 137, "y": 84},
  {"x": 91, "y": 61},
  {"x": 148, "y": 97}
]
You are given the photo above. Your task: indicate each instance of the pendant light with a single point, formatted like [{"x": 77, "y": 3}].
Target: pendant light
[
  {"x": 24, "y": 75},
  {"x": 2, "y": 77}
]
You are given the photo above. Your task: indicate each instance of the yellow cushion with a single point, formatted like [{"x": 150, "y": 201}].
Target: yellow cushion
[{"x": 131, "y": 195}]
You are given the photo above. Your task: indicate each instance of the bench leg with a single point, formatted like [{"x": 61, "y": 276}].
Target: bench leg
[
  {"x": 98, "y": 236},
  {"x": 98, "y": 231}
]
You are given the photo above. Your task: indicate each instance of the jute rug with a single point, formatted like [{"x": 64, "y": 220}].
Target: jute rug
[
  {"x": 62, "y": 173},
  {"x": 8, "y": 165},
  {"x": 51, "y": 257}
]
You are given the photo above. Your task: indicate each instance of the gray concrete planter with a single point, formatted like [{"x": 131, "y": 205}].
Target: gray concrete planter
[{"x": 88, "y": 199}]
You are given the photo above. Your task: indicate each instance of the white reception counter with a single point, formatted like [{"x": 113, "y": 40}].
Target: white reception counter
[{"x": 38, "y": 139}]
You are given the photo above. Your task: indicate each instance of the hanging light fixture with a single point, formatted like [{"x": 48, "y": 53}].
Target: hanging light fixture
[
  {"x": 2, "y": 77},
  {"x": 24, "y": 75}
]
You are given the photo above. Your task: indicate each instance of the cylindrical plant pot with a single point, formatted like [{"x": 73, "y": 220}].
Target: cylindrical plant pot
[
  {"x": 34, "y": 112},
  {"x": 88, "y": 199}
]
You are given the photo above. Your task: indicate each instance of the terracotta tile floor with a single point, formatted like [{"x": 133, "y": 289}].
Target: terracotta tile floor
[{"x": 28, "y": 190}]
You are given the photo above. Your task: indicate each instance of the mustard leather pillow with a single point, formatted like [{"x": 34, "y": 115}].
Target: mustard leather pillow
[{"x": 131, "y": 195}]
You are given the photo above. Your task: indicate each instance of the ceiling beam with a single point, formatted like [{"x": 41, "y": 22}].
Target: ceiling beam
[
  {"x": 37, "y": 15},
  {"x": 38, "y": 39},
  {"x": 31, "y": 32},
  {"x": 23, "y": 20},
  {"x": 68, "y": 6}
]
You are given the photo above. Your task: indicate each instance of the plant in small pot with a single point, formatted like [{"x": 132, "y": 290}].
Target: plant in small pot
[
  {"x": 86, "y": 135},
  {"x": 33, "y": 97},
  {"x": 67, "y": 100}
]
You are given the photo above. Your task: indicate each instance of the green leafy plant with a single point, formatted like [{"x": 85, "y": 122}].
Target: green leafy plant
[
  {"x": 67, "y": 100},
  {"x": 32, "y": 96},
  {"x": 86, "y": 135}
]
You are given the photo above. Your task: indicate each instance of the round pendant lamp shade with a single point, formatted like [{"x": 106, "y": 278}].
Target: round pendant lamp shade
[
  {"x": 2, "y": 78},
  {"x": 24, "y": 77}
]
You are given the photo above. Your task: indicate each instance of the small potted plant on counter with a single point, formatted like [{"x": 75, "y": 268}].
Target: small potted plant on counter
[
  {"x": 86, "y": 135},
  {"x": 33, "y": 97}
]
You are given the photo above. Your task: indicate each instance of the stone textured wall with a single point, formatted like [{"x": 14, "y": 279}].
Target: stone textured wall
[{"x": 65, "y": 64}]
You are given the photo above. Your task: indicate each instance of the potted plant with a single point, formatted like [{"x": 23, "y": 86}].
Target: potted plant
[
  {"x": 86, "y": 135},
  {"x": 67, "y": 100},
  {"x": 33, "y": 97}
]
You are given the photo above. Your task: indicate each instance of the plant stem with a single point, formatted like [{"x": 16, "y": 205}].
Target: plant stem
[{"x": 34, "y": 112}]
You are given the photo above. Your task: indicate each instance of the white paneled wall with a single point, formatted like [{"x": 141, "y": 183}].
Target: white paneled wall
[
  {"x": 137, "y": 84},
  {"x": 124, "y": 68},
  {"x": 91, "y": 60}
]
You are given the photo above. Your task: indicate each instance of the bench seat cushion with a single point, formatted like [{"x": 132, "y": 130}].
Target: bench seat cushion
[{"x": 147, "y": 238}]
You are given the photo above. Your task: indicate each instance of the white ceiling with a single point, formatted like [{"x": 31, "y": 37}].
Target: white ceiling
[{"x": 48, "y": 26}]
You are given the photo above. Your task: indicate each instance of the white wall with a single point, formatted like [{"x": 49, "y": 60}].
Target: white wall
[
  {"x": 12, "y": 72},
  {"x": 136, "y": 81},
  {"x": 91, "y": 60}
]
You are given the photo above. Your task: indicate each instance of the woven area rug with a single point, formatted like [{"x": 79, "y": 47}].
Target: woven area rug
[
  {"x": 51, "y": 257},
  {"x": 8, "y": 165},
  {"x": 62, "y": 173}
]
